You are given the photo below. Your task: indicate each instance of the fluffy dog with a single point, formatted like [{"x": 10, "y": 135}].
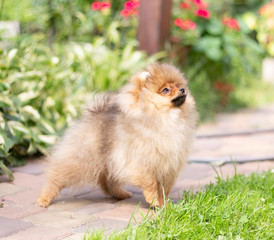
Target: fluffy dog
[{"x": 142, "y": 135}]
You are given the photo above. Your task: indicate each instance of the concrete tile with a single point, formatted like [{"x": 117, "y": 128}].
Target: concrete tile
[
  {"x": 9, "y": 226},
  {"x": 77, "y": 192},
  {"x": 95, "y": 208},
  {"x": 195, "y": 171},
  {"x": 124, "y": 213},
  {"x": 76, "y": 236},
  {"x": 27, "y": 197},
  {"x": 8, "y": 189},
  {"x": 4, "y": 178},
  {"x": 60, "y": 219},
  {"x": 68, "y": 203},
  {"x": 133, "y": 189},
  {"x": 107, "y": 224},
  {"x": 135, "y": 200},
  {"x": 40, "y": 233},
  {"x": 29, "y": 181},
  {"x": 98, "y": 196},
  {"x": 17, "y": 211},
  {"x": 33, "y": 167}
]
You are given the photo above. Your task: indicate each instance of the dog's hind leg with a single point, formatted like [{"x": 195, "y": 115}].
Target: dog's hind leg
[
  {"x": 154, "y": 192},
  {"x": 112, "y": 187},
  {"x": 57, "y": 180}
]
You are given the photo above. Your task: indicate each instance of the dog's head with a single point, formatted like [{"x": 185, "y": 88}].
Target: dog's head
[{"x": 160, "y": 85}]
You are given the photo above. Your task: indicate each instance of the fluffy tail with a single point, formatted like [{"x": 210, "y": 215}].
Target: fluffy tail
[{"x": 99, "y": 102}]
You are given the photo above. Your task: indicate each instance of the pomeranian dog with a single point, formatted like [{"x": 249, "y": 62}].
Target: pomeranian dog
[{"x": 141, "y": 135}]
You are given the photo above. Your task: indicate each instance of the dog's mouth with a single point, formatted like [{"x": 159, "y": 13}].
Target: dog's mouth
[{"x": 178, "y": 101}]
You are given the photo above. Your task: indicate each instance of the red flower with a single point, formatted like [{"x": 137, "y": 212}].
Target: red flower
[
  {"x": 100, "y": 5},
  {"x": 231, "y": 23},
  {"x": 105, "y": 5},
  {"x": 185, "y": 24},
  {"x": 130, "y": 8},
  {"x": 130, "y": 5},
  {"x": 125, "y": 13},
  {"x": 203, "y": 13},
  {"x": 200, "y": 3},
  {"x": 185, "y": 5},
  {"x": 178, "y": 22},
  {"x": 96, "y": 5}
]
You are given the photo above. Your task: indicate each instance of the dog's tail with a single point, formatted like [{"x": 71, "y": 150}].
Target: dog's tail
[{"x": 99, "y": 102}]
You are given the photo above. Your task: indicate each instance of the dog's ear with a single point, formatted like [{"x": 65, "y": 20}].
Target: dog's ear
[{"x": 139, "y": 79}]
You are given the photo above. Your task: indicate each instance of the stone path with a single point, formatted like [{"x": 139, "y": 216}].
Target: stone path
[{"x": 74, "y": 213}]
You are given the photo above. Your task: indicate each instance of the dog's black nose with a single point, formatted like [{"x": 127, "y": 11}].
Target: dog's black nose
[{"x": 178, "y": 101}]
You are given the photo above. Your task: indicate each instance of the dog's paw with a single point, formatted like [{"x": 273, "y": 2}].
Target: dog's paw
[
  {"x": 121, "y": 194},
  {"x": 43, "y": 202}
]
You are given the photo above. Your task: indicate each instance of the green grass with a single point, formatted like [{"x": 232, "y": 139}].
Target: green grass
[{"x": 236, "y": 208}]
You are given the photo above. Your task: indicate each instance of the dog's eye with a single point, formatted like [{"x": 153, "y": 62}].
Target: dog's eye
[
  {"x": 182, "y": 90},
  {"x": 166, "y": 90}
]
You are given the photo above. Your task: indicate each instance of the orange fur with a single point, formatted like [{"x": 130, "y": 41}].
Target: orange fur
[{"x": 142, "y": 136}]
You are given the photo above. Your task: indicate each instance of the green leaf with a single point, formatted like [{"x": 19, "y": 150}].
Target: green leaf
[
  {"x": 25, "y": 97},
  {"x": 7, "y": 142},
  {"x": 4, "y": 86},
  {"x": 5, "y": 101},
  {"x": 31, "y": 112},
  {"x": 12, "y": 53},
  {"x": 48, "y": 139},
  {"x": 46, "y": 126},
  {"x": 215, "y": 27},
  {"x": 6, "y": 170},
  {"x": 211, "y": 46}
]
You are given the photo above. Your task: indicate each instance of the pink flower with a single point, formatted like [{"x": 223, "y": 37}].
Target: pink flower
[
  {"x": 130, "y": 8},
  {"x": 185, "y": 24},
  {"x": 130, "y": 5},
  {"x": 200, "y": 4},
  {"x": 267, "y": 10},
  {"x": 203, "y": 13},
  {"x": 231, "y": 23},
  {"x": 96, "y": 5},
  {"x": 105, "y": 5},
  {"x": 190, "y": 24},
  {"x": 100, "y": 5},
  {"x": 125, "y": 13},
  {"x": 185, "y": 5},
  {"x": 178, "y": 22}
]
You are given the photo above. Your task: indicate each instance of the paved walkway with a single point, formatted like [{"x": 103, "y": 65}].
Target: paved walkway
[{"x": 234, "y": 136}]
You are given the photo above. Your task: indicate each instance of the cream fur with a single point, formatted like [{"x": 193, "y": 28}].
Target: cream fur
[{"x": 136, "y": 136}]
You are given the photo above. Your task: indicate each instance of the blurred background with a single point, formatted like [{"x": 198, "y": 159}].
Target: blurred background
[{"x": 53, "y": 53}]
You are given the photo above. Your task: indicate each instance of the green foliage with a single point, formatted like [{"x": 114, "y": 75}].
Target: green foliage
[
  {"x": 42, "y": 91},
  {"x": 236, "y": 208}
]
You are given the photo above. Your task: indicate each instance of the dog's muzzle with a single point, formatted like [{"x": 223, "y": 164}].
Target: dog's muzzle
[{"x": 178, "y": 101}]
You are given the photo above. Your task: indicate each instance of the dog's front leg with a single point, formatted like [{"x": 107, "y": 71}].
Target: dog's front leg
[{"x": 154, "y": 191}]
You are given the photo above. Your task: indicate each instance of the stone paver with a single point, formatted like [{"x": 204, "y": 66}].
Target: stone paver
[
  {"x": 75, "y": 212},
  {"x": 41, "y": 233},
  {"x": 8, "y": 189},
  {"x": 95, "y": 208},
  {"x": 124, "y": 212},
  {"x": 108, "y": 224},
  {"x": 17, "y": 211},
  {"x": 59, "y": 219},
  {"x": 10, "y": 226},
  {"x": 68, "y": 203}
]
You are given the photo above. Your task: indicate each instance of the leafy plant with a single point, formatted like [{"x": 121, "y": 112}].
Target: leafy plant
[{"x": 219, "y": 44}]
